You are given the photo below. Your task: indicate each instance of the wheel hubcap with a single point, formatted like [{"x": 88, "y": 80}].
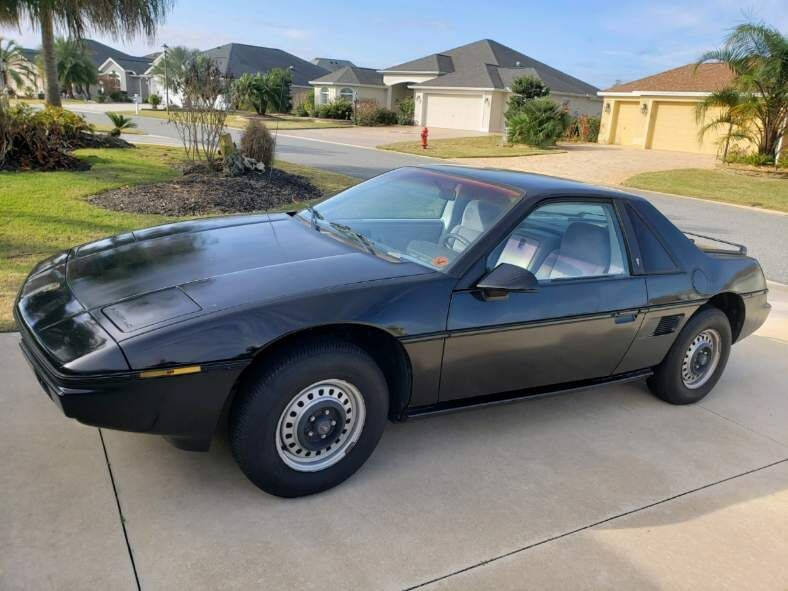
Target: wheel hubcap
[
  {"x": 701, "y": 359},
  {"x": 320, "y": 425}
]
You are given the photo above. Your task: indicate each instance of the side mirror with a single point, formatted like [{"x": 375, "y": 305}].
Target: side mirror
[{"x": 505, "y": 278}]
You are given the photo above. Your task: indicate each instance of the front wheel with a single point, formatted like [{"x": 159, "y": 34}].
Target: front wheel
[
  {"x": 696, "y": 360},
  {"x": 310, "y": 420}
]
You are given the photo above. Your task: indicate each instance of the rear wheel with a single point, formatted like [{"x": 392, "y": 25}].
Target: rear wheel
[
  {"x": 696, "y": 360},
  {"x": 310, "y": 420}
]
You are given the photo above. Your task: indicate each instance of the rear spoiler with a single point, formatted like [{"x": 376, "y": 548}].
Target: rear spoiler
[{"x": 740, "y": 248}]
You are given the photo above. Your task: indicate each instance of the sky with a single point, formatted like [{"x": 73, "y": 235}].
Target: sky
[{"x": 598, "y": 42}]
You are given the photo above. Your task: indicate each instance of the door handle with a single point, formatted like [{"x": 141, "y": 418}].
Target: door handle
[{"x": 624, "y": 317}]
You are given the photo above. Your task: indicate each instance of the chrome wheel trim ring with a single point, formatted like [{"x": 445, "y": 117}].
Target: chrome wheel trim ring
[
  {"x": 309, "y": 402},
  {"x": 707, "y": 343}
]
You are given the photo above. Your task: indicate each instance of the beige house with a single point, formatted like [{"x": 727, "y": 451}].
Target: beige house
[
  {"x": 463, "y": 88},
  {"x": 350, "y": 83},
  {"x": 659, "y": 112}
]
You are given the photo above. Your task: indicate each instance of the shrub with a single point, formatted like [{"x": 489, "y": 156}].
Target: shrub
[
  {"x": 119, "y": 96},
  {"x": 538, "y": 122},
  {"x": 754, "y": 159},
  {"x": 306, "y": 106},
  {"x": 40, "y": 140},
  {"x": 368, "y": 112},
  {"x": 405, "y": 111},
  {"x": 258, "y": 143},
  {"x": 582, "y": 129},
  {"x": 101, "y": 98},
  {"x": 41, "y": 96},
  {"x": 340, "y": 109},
  {"x": 155, "y": 101},
  {"x": 120, "y": 122}
]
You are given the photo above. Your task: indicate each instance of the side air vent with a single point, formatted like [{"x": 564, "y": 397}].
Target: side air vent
[{"x": 668, "y": 324}]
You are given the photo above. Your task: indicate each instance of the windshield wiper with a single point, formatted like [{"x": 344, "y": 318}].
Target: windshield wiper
[
  {"x": 316, "y": 215},
  {"x": 363, "y": 240}
]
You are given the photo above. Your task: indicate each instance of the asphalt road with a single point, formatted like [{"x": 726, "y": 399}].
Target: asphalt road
[{"x": 765, "y": 234}]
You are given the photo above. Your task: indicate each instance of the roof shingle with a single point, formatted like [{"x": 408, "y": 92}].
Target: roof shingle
[
  {"x": 489, "y": 64},
  {"x": 706, "y": 78},
  {"x": 352, "y": 75},
  {"x": 234, "y": 59}
]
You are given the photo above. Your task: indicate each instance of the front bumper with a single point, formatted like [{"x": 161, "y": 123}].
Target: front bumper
[{"x": 184, "y": 408}]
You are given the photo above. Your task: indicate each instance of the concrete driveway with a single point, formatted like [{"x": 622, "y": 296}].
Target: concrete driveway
[{"x": 601, "y": 488}]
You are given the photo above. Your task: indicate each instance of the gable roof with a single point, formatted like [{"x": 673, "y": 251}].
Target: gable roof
[
  {"x": 352, "y": 75},
  {"x": 331, "y": 64},
  {"x": 706, "y": 78},
  {"x": 100, "y": 53},
  {"x": 235, "y": 59},
  {"x": 489, "y": 64}
]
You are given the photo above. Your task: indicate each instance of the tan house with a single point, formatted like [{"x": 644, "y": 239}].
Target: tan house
[
  {"x": 658, "y": 112},
  {"x": 462, "y": 88},
  {"x": 350, "y": 83}
]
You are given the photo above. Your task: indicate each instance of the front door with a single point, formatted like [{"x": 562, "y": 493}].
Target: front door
[{"x": 577, "y": 325}]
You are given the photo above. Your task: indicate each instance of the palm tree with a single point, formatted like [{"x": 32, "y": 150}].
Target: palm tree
[
  {"x": 118, "y": 18},
  {"x": 758, "y": 56},
  {"x": 74, "y": 66},
  {"x": 732, "y": 113},
  {"x": 120, "y": 123},
  {"x": 176, "y": 60},
  {"x": 13, "y": 65}
]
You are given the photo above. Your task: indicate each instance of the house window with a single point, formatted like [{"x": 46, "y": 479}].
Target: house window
[
  {"x": 324, "y": 95},
  {"x": 346, "y": 94}
]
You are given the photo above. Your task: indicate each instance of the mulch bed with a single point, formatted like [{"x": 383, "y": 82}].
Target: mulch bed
[{"x": 200, "y": 192}]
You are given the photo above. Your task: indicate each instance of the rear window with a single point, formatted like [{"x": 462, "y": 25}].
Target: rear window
[{"x": 655, "y": 258}]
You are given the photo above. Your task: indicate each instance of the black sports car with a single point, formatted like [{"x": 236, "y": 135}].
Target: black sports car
[{"x": 420, "y": 291}]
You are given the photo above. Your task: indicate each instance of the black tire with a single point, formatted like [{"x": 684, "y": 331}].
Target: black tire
[
  {"x": 667, "y": 382},
  {"x": 270, "y": 390}
]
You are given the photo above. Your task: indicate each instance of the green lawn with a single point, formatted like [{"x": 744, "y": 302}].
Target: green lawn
[
  {"x": 717, "y": 185},
  {"x": 101, "y": 128},
  {"x": 484, "y": 146},
  {"x": 44, "y": 212},
  {"x": 239, "y": 119}
]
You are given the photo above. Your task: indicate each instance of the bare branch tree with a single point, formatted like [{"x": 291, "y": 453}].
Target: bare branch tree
[{"x": 200, "y": 121}]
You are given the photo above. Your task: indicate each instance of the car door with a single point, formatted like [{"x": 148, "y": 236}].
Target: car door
[{"x": 577, "y": 324}]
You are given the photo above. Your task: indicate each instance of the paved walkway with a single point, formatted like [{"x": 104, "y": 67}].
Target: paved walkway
[
  {"x": 605, "y": 488},
  {"x": 596, "y": 163}
]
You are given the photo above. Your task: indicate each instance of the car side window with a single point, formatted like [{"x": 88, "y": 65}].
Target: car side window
[
  {"x": 655, "y": 258},
  {"x": 566, "y": 240}
]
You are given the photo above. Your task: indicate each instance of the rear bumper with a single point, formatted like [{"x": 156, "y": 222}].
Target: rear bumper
[
  {"x": 185, "y": 408},
  {"x": 756, "y": 310}
]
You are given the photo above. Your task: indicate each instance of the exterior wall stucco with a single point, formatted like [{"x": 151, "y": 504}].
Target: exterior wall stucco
[{"x": 665, "y": 122}]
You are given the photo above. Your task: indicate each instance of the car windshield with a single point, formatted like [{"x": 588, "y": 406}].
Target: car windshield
[{"x": 418, "y": 214}]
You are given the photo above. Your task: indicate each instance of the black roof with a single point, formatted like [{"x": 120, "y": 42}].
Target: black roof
[
  {"x": 331, "y": 64},
  {"x": 99, "y": 53},
  {"x": 235, "y": 59},
  {"x": 532, "y": 184},
  {"x": 489, "y": 64},
  {"x": 353, "y": 75}
]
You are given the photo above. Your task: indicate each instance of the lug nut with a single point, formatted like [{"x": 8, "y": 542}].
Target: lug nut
[
  {"x": 326, "y": 412},
  {"x": 322, "y": 437},
  {"x": 333, "y": 422},
  {"x": 311, "y": 433}
]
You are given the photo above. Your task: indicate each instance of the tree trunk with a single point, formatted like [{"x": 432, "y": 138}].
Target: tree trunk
[
  {"x": 727, "y": 144},
  {"x": 48, "y": 50}
]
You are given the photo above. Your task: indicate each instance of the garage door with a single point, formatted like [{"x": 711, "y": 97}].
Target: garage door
[
  {"x": 629, "y": 124},
  {"x": 675, "y": 128},
  {"x": 454, "y": 111}
]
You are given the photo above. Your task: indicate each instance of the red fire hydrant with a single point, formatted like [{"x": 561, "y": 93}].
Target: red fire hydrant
[{"x": 424, "y": 133}]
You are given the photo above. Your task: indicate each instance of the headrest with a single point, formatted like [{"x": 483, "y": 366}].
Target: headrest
[
  {"x": 587, "y": 242},
  {"x": 479, "y": 215}
]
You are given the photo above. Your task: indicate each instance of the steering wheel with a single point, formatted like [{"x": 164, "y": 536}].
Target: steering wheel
[{"x": 455, "y": 237}]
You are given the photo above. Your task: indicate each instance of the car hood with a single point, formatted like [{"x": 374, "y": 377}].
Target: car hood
[{"x": 149, "y": 276}]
